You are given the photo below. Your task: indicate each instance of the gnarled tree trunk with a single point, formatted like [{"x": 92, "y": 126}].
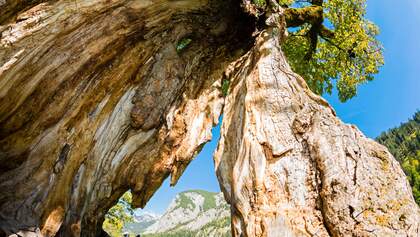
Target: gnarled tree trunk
[
  {"x": 97, "y": 97},
  {"x": 289, "y": 167}
]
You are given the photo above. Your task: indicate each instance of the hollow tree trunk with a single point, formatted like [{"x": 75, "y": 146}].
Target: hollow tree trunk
[
  {"x": 97, "y": 97},
  {"x": 289, "y": 167}
]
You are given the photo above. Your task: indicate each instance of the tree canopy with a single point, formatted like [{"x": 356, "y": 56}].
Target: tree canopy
[{"x": 331, "y": 43}]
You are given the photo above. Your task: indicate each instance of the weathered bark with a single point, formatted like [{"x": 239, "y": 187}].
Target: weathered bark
[
  {"x": 289, "y": 167},
  {"x": 95, "y": 100}
]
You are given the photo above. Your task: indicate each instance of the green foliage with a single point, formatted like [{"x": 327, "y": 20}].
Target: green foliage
[
  {"x": 260, "y": 3},
  {"x": 350, "y": 58},
  {"x": 286, "y": 2},
  {"x": 172, "y": 234},
  {"x": 404, "y": 143},
  {"x": 120, "y": 214},
  {"x": 225, "y": 87},
  {"x": 182, "y": 44},
  {"x": 185, "y": 202},
  {"x": 217, "y": 224},
  {"x": 209, "y": 199}
]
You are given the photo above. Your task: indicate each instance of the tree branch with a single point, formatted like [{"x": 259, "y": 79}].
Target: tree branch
[
  {"x": 298, "y": 16},
  {"x": 324, "y": 32},
  {"x": 312, "y": 15},
  {"x": 317, "y": 2}
]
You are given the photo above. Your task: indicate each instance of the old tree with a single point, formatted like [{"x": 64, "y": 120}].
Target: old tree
[{"x": 101, "y": 96}]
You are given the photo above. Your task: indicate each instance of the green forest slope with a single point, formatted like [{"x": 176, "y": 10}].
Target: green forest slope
[{"x": 404, "y": 143}]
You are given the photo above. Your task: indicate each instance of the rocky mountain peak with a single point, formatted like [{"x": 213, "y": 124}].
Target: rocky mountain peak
[
  {"x": 145, "y": 216},
  {"x": 196, "y": 211}
]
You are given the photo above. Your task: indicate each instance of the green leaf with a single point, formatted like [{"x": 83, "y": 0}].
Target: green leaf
[
  {"x": 182, "y": 44},
  {"x": 225, "y": 87},
  {"x": 259, "y": 3}
]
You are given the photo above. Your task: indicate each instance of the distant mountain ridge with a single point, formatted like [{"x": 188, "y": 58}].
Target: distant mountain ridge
[
  {"x": 191, "y": 213},
  {"x": 145, "y": 216},
  {"x": 142, "y": 221}
]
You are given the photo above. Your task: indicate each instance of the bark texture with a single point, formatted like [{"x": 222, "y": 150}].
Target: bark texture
[
  {"x": 101, "y": 96},
  {"x": 98, "y": 97},
  {"x": 289, "y": 167}
]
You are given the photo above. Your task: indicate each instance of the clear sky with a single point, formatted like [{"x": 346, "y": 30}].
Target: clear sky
[{"x": 390, "y": 99}]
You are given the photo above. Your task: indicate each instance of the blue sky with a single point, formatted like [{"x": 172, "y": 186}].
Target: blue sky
[{"x": 390, "y": 99}]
